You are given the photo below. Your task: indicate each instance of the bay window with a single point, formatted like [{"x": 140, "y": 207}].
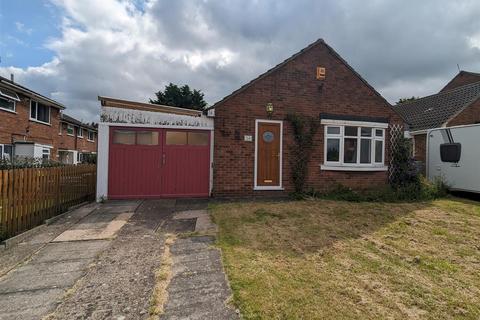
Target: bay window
[{"x": 351, "y": 145}]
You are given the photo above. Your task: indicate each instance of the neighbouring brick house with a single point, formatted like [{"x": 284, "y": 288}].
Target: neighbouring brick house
[
  {"x": 458, "y": 103},
  {"x": 29, "y": 122},
  {"x": 77, "y": 140},
  {"x": 253, "y": 139},
  {"x": 33, "y": 126}
]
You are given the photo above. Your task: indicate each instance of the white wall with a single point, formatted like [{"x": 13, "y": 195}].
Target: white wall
[{"x": 102, "y": 160}]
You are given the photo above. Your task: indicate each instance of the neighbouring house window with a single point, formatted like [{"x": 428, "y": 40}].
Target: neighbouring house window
[
  {"x": 7, "y": 104},
  {"x": 354, "y": 146},
  {"x": 70, "y": 130},
  {"x": 39, "y": 112},
  {"x": 46, "y": 153},
  {"x": 91, "y": 136},
  {"x": 79, "y": 157},
  {"x": 79, "y": 132},
  {"x": 123, "y": 137},
  {"x": 6, "y": 151}
]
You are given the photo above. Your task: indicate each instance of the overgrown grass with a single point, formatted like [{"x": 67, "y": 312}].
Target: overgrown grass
[{"x": 324, "y": 259}]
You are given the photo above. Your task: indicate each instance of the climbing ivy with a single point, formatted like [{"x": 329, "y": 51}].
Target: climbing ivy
[{"x": 304, "y": 129}]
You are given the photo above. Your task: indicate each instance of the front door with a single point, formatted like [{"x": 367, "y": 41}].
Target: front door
[{"x": 268, "y": 154}]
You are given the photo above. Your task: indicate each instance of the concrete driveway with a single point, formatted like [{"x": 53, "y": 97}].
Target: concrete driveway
[{"x": 99, "y": 262}]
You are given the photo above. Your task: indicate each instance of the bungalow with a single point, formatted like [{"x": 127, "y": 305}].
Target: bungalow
[
  {"x": 458, "y": 103},
  {"x": 158, "y": 151}
]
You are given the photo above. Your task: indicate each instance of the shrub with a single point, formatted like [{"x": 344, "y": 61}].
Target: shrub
[
  {"x": 25, "y": 162},
  {"x": 422, "y": 191}
]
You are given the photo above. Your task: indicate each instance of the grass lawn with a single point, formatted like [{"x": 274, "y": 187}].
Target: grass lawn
[{"x": 324, "y": 259}]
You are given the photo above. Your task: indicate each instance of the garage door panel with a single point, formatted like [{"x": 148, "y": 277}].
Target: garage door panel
[{"x": 177, "y": 164}]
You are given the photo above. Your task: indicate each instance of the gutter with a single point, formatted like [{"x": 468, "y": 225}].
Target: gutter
[{"x": 31, "y": 93}]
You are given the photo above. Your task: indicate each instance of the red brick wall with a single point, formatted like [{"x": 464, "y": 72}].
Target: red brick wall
[
  {"x": 75, "y": 143},
  {"x": 292, "y": 89},
  {"x": 19, "y": 127},
  {"x": 461, "y": 79},
  {"x": 470, "y": 115}
]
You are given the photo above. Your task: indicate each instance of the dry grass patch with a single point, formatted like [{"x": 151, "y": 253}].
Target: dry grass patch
[{"x": 340, "y": 260}]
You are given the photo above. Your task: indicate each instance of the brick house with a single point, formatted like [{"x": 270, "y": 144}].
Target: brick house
[
  {"x": 253, "y": 139},
  {"x": 29, "y": 122},
  {"x": 458, "y": 103},
  {"x": 77, "y": 140}
]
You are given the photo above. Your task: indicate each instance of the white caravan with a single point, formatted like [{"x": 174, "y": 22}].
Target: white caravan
[{"x": 453, "y": 154}]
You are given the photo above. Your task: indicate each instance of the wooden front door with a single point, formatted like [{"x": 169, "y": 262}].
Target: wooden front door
[{"x": 268, "y": 154}]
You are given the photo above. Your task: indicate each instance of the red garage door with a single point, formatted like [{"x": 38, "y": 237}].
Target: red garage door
[{"x": 149, "y": 163}]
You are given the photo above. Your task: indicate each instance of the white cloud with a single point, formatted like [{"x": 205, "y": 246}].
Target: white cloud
[
  {"x": 129, "y": 50},
  {"x": 21, "y": 28}
]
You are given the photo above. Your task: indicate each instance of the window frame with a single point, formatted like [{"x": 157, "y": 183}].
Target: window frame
[
  {"x": 73, "y": 130},
  {"x": 3, "y": 154},
  {"x": 14, "y": 105},
  {"x": 80, "y": 132},
  {"x": 93, "y": 135},
  {"x": 36, "y": 112},
  {"x": 357, "y": 166}
]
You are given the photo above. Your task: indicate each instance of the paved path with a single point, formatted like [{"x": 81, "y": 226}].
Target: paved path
[
  {"x": 99, "y": 262},
  {"x": 198, "y": 289}
]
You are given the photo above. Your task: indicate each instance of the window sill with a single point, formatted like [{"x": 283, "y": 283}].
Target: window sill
[
  {"x": 70, "y": 135},
  {"x": 352, "y": 168},
  {"x": 41, "y": 122},
  {"x": 266, "y": 188},
  {"x": 90, "y": 140},
  {"x": 8, "y": 110}
]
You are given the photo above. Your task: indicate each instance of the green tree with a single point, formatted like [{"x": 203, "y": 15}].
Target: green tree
[
  {"x": 182, "y": 97},
  {"x": 402, "y": 100}
]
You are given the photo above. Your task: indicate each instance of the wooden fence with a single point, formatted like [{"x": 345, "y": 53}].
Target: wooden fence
[{"x": 29, "y": 196}]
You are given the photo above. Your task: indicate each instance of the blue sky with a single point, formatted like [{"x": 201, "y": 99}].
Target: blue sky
[
  {"x": 25, "y": 27},
  {"x": 74, "y": 50}
]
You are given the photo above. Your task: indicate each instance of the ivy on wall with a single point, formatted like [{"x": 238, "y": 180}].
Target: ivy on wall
[{"x": 304, "y": 129}]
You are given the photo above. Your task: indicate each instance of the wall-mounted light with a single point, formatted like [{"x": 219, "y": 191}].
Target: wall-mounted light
[{"x": 269, "y": 108}]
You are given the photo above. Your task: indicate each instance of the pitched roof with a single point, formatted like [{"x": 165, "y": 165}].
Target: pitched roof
[
  {"x": 28, "y": 92},
  {"x": 278, "y": 66},
  {"x": 461, "y": 79},
  {"x": 72, "y": 120},
  {"x": 436, "y": 110}
]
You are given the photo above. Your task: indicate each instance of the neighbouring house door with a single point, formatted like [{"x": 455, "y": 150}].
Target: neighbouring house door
[{"x": 268, "y": 154}]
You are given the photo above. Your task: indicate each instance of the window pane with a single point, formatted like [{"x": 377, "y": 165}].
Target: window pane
[
  {"x": 69, "y": 130},
  {"x": 123, "y": 137},
  {"x": 176, "y": 138},
  {"x": 333, "y": 150},
  {"x": 80, "y": 132},
  {"x": 33, "y": 110},
  {"x": 8, "y": 151},
  {"x": 366, "y": 132},
  {"x": 365, "y": 151},
  {"x": 378, "y": 151},
  {"x": 333, "y": 130},
  {"x": 350, "y": 152},
  {"x": 43, "y": 113},
  {"x": 10, "y": 105},
  {"x": 198, "y": 138},
  {"x": 351, "y": 131},
  {"x": 379, "y": 133},
  {"x": 147, "y": 137}
]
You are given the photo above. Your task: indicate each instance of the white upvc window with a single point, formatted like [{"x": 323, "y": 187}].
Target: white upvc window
[
  {"x": 6, "y": 151},
  {"x": 39, "y": 112},
  {"x": 70, "y": 130},
  {"x": 354, "y": 146},
  {"x": 79, "y": 132},
  {"x": 91, "y": 136}
]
